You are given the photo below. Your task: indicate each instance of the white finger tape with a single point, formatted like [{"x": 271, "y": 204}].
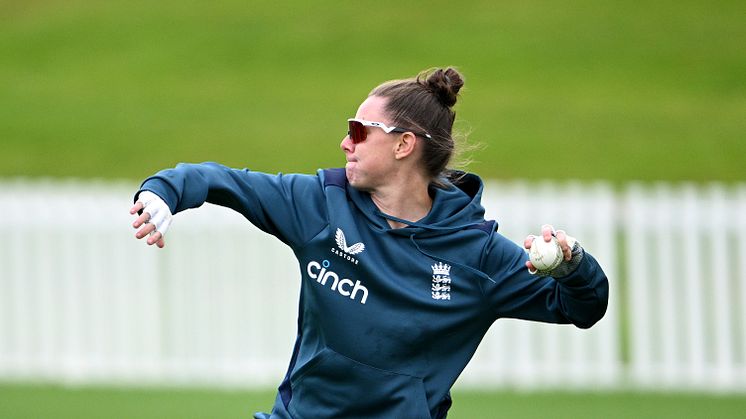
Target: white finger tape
[{"x": 160, "y": 214}]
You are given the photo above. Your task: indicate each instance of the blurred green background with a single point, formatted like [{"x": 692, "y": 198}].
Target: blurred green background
[{"x": 613, "y": 90}]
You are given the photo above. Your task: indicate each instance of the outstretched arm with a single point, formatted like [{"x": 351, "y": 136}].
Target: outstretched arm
[{"x": 290, "y": 207}]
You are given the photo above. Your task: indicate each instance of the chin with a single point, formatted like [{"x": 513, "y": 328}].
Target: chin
[
  {"x": 354, "y": 180},
  {"x": 350, "y": 172}
]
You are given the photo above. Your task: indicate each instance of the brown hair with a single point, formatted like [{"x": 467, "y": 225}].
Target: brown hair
[{"x": 424, "y": 103}]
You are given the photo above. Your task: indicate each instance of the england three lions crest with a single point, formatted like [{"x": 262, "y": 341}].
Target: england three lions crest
[{"x": 441, "y": 286}]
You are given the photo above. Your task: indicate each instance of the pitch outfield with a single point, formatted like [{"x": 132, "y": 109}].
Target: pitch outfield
[
  {"x": 614, "y": 90},
  {"x": 27, "y": 402}
]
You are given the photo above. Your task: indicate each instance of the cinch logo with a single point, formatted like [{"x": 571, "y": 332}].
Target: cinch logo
[
  {"x": 319, "y": 272},
  {"x": 441, "y": 289},
  {"x": 346, "y": 251}
]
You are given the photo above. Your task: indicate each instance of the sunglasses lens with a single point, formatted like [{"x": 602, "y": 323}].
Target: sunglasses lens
[{"x": 356, "y": 132}]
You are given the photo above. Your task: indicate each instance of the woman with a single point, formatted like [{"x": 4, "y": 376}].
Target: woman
[{"x": 401, "y": 274}]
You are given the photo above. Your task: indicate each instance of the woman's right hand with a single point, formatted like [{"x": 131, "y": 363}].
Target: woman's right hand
[{"x": 154, "y": 219}]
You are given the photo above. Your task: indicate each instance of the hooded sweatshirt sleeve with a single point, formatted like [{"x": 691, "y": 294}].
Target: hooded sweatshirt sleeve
[
  {"x": 290, "y": 207},
  {"x": 579, "y": 298}
]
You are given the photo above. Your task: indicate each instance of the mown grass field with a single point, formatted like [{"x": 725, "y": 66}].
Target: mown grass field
[
  {"x": 27, "y": 402},
  {"x": 604, "y": 89}
]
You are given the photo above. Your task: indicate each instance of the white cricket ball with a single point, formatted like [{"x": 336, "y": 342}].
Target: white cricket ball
[{"x": 545, "y": 256}]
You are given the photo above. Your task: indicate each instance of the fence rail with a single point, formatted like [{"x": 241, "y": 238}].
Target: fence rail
[{"x": 82, "y": 301}]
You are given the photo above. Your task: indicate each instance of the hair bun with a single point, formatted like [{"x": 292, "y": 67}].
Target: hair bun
[{"x": 445, "y": 84}]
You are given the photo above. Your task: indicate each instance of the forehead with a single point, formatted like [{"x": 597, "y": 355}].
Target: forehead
[{"x": 372, "y": 109}]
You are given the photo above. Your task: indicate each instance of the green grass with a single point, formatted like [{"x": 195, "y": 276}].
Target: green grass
[
  {"x": 611, "y": 90},
  {"x": 596, "y": 406},
  {"x": 26, "y": 401}
]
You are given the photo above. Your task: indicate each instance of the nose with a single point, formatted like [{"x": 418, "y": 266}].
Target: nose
[{"x": 347, "y": 145}]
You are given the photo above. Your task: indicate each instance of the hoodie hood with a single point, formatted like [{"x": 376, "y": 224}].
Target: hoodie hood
[{"x": 455, "y": 207}]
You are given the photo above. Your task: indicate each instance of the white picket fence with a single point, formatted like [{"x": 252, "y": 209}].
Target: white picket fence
[{"x": 82, "y": 301}]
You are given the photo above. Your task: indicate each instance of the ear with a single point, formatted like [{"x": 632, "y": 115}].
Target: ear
[{"x": 405, "y": 146}]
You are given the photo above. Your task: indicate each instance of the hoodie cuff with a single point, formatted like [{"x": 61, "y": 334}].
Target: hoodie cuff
[
  {"x": 161, "y": 188},
  {"x": 569, "y": 266}
]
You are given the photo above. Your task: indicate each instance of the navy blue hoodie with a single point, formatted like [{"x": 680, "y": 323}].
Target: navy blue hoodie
[{"x": 388, "y": 318}]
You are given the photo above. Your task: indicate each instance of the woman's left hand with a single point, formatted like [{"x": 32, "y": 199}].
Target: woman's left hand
[{"x": 547, "y": 232}]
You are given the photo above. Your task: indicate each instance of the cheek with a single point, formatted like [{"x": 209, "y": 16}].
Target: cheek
[{"x": 372, "y": 158}]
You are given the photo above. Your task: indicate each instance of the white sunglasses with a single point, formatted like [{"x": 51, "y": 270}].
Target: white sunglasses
[{"x": 358, "y": 134}]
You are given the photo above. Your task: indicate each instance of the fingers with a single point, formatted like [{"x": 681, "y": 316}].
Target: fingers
[
  {"x": 137, "y": 207},
  {"x": 547, "y": 231},
  {"x": 143, "y": 218},
  {"x": 155, "y": 238},
  {"x": 145, "y": 230},
  {"x": 147, "y": 226},
  {"x": 528, "y": 241},
  {"x": 530, "y": 266},
  {"x": 562, "y": 239}
]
